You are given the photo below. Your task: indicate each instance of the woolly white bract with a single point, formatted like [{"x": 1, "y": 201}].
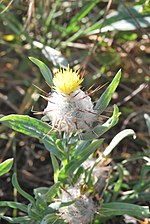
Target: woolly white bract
[
  {"x": 82, "y": 210},
  {"x": 69, "y": 108}
]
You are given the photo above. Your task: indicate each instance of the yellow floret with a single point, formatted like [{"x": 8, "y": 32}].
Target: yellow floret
[{"x": 67, "y": 81}]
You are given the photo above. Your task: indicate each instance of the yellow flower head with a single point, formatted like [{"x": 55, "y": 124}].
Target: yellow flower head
[{"x": 67, "y": 81}]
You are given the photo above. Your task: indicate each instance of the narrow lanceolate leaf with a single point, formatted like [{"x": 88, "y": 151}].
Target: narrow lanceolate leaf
[
  {"x": 83, "y": 156},
  {"x": 52, "y": 218},
  {"x": 55, "y": 167},
  {"x": 52, "y": 55},
  {"x": 101, "y": 129},
  {"x": 107, "y": 95},
  {"x": 13, "y": 204},
  {"x": 120, "y": 208},
  {"x": 33, "y": 128},
  {"x": 47, "y": 74},
  {"x": 121, "y": 135},
  {"x": 6, "y": 166},
  {"x": 19, "y": 189},
  {"x": 50, "y": 194},
  {"x": 23, "y": 220},
  {"x": 51, "y": 147},
  {"x": 78, "y": 17},
  {"x": 123, "y": 19},
  {"x": 147, "y": 119},
  {"x": 26, "y": 125}
]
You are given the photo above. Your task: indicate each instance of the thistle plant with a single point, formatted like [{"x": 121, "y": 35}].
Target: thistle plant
[{"x": 72, "y": 135}]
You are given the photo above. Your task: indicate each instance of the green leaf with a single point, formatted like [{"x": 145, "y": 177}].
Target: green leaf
[
  {"x": 112, "y": 145},
  {"x": 52, "y": 218},
  {"x": 147, "y": 119},
  {"x": 6, "y": 166},
  {"x": 77, "y": 175},
  {"x": 47, "y": 194},
  {"x": 88, "y": 150},
  {"x": 120, "y": 136},
  {"x": 55, "y": 168},
  {"x": 121, "y": 20},
  {"x": 52, "y": 55},
  {"x": 118, "y": 183},
  {"x": 146, "y": 7},
  {"x": 2, "y": 212},
  {"x": 52, "y": 148},
  {"x": 126, "y": 19},
  {"x": 144, "y": 171},
  {"x": 128, "y": 24},
  {"x": 26, "y": 125},
  {"x": 33, "y": 128},
  {"x": 13, "y": 204},
  {"x": 119, "y": 208},
  {"x": 34, "y": 213},
  {"x": 107, "y": 95},
  {"x": 85, "y": 10},
  {"x": 51, "y": 193},
  {"x": 44, "y": 70},
  {"x": 40, "y": 191},
  {"x": 144, "y": 181},
  {"x": 101, "y": 129},
  {"x": 16, "y": 220},
  {"x": 22, "y": 192},
  {"x": 83, "y": 156},
  {"x": 12, "y": 22},
  {"x": 81, "y": 146},
  {"x": 41, "y": 204}
]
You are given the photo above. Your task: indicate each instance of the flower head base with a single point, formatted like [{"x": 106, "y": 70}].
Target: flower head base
[
  {"x": 81, "y": 211},
  {"x": 67, "y": 81},
  {"x": 69, "y": 108}
]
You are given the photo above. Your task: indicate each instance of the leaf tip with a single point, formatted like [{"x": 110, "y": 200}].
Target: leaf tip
[
  {"x": 31, "y": 59},
  {"x": 11, "y": 160},
  {"x": 119, "y": 73},
  {"x": 116, "y": 108}
]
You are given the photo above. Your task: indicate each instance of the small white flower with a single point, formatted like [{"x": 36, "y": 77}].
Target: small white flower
[{"x": 69, "y": 108}]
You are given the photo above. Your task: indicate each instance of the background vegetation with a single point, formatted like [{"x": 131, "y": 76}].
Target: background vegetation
[{"x": 99, "y": 37}]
